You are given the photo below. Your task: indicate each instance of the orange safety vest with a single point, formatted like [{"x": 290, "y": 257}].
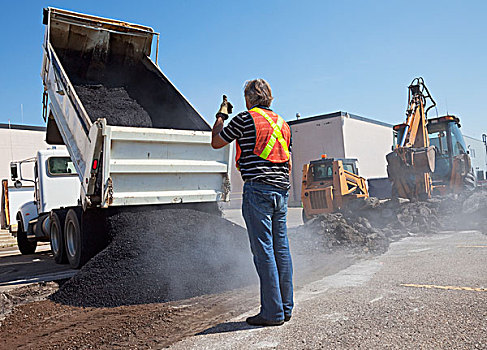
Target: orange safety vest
[{"x": 272, "y": 137}]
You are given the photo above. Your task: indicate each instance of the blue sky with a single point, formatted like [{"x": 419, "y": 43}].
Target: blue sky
[{"x": 319, "y": 56}]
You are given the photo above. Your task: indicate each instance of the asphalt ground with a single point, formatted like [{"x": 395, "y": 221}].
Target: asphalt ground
[
  {"x": 424, "y": 293},
  {"x": 17, "y": 269}
]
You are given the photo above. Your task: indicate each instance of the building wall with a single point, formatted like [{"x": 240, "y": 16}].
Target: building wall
[
  {"x": 311, "y": 139},
  {"x": 340, "y": 135},
  {"x": 477, "y": 152},
  {"x": 369, "y": 143},
  {"x": 19, "y": 144}
]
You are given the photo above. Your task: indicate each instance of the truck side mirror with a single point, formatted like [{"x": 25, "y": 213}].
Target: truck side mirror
[{"x": 14, "y": 171}]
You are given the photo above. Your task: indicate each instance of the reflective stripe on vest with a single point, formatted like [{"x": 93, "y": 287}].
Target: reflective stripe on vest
[{"x": 276, "y": 135}]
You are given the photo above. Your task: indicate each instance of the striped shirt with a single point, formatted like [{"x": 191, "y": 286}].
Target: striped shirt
[{"x": 253, "y": 167}]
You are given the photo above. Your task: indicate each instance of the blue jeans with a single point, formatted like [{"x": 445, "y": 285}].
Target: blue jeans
[{"x": 264, "y": 209}]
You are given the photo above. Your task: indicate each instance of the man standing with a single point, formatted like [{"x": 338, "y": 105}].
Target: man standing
[{"x": 263, "y": 158}]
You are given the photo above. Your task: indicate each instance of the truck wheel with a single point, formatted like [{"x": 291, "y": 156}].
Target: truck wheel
[
  {"x": 56, "y": 236},
  {"x": 26, "y": 246},
  {"x": 73, "y": 240}
]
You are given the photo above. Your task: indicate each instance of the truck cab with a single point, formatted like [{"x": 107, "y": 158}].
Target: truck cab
[{"x": 56, "y": 185}]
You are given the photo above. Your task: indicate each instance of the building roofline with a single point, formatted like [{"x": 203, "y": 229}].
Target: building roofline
[
  {"x": 22, "y": 127},
  {"x": 473, "y": 138},
  {"x": 338, "y": 114}
]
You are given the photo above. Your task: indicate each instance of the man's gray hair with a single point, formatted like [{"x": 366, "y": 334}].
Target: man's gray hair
[{"x": 258, "y": 92}]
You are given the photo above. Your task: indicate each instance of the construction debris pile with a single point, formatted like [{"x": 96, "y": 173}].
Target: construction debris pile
[
  {"x": 162, "y": 255},
  {"x": 114, "y": 104},
  {"x": 371, "y": 225},
  {"x": 466, "y": 211}
]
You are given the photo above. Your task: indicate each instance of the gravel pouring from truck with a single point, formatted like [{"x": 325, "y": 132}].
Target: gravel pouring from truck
[{"x": 133, "y": 137}]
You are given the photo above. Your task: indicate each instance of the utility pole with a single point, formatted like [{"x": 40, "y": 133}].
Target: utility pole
[{"x": 484, "y": 139}]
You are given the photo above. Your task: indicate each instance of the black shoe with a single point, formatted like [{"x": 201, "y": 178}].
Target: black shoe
[
  {"x": 287, "y": 318},
  {"x": 257, "y": 320}
]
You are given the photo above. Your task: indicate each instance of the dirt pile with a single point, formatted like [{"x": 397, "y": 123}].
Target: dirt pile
[
  {"x": 24, "y": 295},
  {"x": 338, "y": 230},
  {"x": 466, "y": 211},
  {"x": 114, "y": 104},
  {"x": 372, "y": 225},
  {"x": 162, "y": 255}
]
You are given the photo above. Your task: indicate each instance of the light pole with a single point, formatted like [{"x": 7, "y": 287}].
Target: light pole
[{"x": 484, "y": 138}]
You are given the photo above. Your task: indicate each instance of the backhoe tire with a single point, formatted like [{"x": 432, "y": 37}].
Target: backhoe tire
[
  {"x": 56, "y": 236},
  {"x": 26, "y": 246},
  {"x": 470, "y": 181}
]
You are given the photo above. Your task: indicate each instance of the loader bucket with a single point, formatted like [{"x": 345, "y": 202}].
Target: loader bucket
[
  {"x": 423, "y": 159},
  {"x": 394, "y": 165}
]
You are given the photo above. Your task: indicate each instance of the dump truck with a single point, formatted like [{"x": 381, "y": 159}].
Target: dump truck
[
  {"x": 329, "y": 184},
  {"x": 133, "y": 138}
]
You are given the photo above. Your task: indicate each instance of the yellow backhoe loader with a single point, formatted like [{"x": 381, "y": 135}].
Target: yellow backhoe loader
[
  {"x": 329, "y": 184},
  {"x": 429, "y": 155}
]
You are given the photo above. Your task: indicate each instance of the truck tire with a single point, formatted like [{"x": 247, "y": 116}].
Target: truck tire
[
  {"x": 73, "y": 238},
  {"x": 56, "y": 236},
  {"x": 26, "y": 246},
  {"x": 85, "y": 235}
]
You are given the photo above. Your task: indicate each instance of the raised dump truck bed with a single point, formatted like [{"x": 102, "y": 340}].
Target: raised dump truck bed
[{"x": 132, "y": 135}]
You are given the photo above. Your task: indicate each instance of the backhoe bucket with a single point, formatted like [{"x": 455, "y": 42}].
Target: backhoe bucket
[
  {"x": 409, "y": 170},
  {"x": 423, "y": 159}
]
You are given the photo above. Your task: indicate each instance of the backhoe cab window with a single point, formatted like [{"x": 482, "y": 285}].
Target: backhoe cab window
[
  {"x": 59, "y": 166},
  {"x": 457, "y": 141},
  {"x": 439, "y": 141}
]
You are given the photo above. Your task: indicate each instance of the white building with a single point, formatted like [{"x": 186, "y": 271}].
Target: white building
[
  {"x": 477, "y": 151},
  {"x": 339, "y": 135}
]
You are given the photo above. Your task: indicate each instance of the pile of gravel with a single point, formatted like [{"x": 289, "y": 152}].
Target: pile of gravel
[
  {"x": 162, "y": 255},
  {"x": 114, "y": 104}
]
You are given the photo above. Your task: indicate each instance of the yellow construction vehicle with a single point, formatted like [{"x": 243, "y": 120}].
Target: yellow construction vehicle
[
  {"x": 429, "y": 155},
  {"x": 329, "y": 184},
  {"x": 412, "y": 160}
]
